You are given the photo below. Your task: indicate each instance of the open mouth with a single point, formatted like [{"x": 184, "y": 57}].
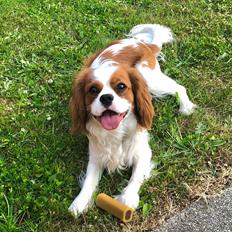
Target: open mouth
[{"x": 110, "y": 119}]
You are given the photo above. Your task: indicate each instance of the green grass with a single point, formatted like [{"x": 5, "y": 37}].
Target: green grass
[{"x": 43, "y": 43}]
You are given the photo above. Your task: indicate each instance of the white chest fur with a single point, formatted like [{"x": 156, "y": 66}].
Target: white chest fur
[{"x": 113, "y": 149}]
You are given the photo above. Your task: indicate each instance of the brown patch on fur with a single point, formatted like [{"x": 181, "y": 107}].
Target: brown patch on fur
[
  {"x": 89, "y": 97},
  {"x": 129, "y": 55},
  {"x": 121, "y": 76}
]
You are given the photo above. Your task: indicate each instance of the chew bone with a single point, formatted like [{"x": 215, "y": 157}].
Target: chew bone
[{"x": 116, "y": 208}]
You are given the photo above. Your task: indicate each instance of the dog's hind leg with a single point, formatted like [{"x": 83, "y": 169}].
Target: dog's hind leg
[{"x": 160, "y": 85}]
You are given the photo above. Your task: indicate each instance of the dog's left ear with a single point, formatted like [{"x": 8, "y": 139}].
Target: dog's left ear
[{"x": 143, "y": 107}]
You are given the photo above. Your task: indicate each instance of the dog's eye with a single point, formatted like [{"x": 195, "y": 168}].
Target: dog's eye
[
  {"x": 121, "y": 87},
  {"x": 94, "y": 90}
]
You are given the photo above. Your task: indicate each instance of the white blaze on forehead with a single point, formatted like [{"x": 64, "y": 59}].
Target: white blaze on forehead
[{"x": 104, "y": 74}]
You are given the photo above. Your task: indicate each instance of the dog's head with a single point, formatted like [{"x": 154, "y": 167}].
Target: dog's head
[{"x": 108, "y": 95}]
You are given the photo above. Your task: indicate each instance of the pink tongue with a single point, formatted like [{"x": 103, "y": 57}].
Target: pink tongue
[{"x": 111, "y": 121}]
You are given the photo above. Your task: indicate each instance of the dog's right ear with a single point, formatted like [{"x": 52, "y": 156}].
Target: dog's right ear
[{"x": 77, "y": 106}]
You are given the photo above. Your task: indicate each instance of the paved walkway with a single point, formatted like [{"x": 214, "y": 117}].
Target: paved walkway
[{"x": 200, "y": 217}]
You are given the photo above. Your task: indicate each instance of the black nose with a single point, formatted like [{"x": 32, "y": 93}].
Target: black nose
[{"x": 106, "y": 99}]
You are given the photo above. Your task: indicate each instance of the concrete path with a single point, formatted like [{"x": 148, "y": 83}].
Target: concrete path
[{"x": 200, "y": 217}]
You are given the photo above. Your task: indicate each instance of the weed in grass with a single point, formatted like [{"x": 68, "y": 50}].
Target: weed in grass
[{"x": 8, "y": 222}]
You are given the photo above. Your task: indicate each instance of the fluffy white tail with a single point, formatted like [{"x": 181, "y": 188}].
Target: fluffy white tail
[{"x": 152, "y": 34}]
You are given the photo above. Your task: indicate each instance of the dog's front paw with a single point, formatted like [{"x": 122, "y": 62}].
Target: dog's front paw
[
  {"x": 78, "y": 207},
  {"x": 129, "y": 199},
  {"x": 187, "y": 108},
  {"x": 74, "y": 210}
]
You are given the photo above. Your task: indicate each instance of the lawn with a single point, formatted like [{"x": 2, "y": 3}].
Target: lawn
[{"x": 42, "y": 45}]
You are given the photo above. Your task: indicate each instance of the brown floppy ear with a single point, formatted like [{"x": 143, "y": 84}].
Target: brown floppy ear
[
  {"x": 143, "y": 107},
  {"x": 77, "y": 105}
]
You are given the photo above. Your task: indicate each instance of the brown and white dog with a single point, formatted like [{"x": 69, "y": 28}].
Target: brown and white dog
[{"x": 111, "y": 103}]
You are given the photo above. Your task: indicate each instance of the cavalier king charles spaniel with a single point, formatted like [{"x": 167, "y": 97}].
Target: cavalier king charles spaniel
[{"x": 111, "y": 103}]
